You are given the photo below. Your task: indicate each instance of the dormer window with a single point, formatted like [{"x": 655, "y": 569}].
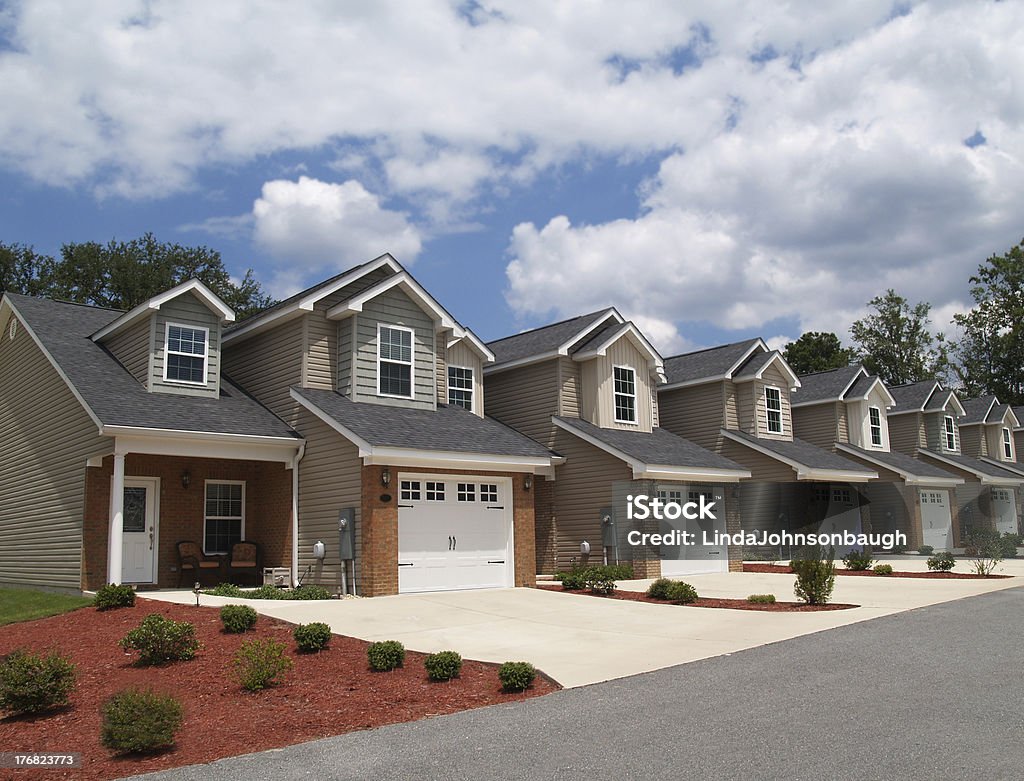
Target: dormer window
[
  {"x": 394, "y": 361},
  {"x": 773, "y": 408},
  {"x": 1007, "y": 445},
  {"x": 187, "y": 352},
  {"x": 625, "y": 394},
  {"x": 949, "y": 432},
  {"x": 460, "y": 386},
  {"x": 875, "y": 424}
]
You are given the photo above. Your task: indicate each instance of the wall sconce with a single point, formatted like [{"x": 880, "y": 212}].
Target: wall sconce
[
  {"x": 385, "y": 477},
  {"x": 585, "y": 547},
  {"x": 186, "y": 478},
  {"x": 319, "y": 550},
  {"x": 527, "y": 482}
]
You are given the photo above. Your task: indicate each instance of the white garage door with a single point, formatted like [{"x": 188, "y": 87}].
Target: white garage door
[
  {"x": 936, "y": 520},
  {"x": 697, "y": 559},
  {"x": 454, "y": 532},
  {"x": 1003, "y": 511}
]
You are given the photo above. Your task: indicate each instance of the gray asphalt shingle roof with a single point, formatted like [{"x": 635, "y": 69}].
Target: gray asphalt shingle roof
[
  {"x": 449, "y": 428},
  {"x": 976, "y": 465},
  {"x": 657, "y": 447},
  {"x": 712, "y": 362},
  {"x": 545, "y": 339},
  {"x": 938, "y": 400},
  {"x": 1019, "y": 412},
  {"x": 825, "y": 386},
  {"x": 116, "y": 397},
  {"x": 860, "y": 387},
  {"x": 911, "y": 396},
  {"x": 803, "y": 453},
  {"x": 901, "y": 462},
  {"x": 602, "y": 333},
  {"x": 977, "y": 410}
]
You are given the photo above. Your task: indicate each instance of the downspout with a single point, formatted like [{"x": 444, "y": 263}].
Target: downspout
[{"x": 295, "y": 512}]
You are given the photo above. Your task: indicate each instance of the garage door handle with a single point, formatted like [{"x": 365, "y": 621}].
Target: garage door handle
[
  {"x": 409, "y": 506},
  {"x": 496, "y": 507},
  {"x": 455, "y": 543},
  {"x": 400, "y": 564},
  {"x": 497, "y": 562}
]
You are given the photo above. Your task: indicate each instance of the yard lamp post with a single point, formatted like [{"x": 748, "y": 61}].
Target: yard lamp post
[{"x": 197, "y": 590}]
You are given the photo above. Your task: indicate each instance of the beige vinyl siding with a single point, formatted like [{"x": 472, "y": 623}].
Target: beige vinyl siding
[
  {"x": 818, "y": 424},
  {"x": 47, "y": 438},
  {"x": 395, "y": 308},
  {"x": 268, "y": 364},
  {"x": 189, "y": 311},
  {"x": 992, "y": 442},
  {"x": 569, "y": 382},
  {"x": 597, "y": 386},
  {"x": 346, "y": 343},
  {"x": 774, "y": 378},
  {"x": 459, "y": 354},
  {"x": 442, "y": 376},
  {"x": 525, "y": 399},
  {"x": 843, "y": 423},
  {"x": 935, "y": 432},
  {"x": 746, "y": 407},
  {"x": 132, "y": 347},
  {"x": 973, "y": 441},
  {"x": 761, "y": 467},
  {"x": 320, "y": 364},
  {"x": 1018, "y": 443},
  {"x": 655, "y": 415},
  {"x": 329, "y": 481},
  {"x": 730, "y": 405},
  {"x": 695, "y": 413},
  {"x": 907, "y": 433}
]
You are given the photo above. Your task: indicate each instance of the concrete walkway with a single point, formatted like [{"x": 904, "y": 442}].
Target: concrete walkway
[{"x": 580, "y": 640}]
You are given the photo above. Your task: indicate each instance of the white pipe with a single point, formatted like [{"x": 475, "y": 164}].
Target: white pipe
[
  {"x": 295, "y": 513},
  {"x": 115, "y": 536}
]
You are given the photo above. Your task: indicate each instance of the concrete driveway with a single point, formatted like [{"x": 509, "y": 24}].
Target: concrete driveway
[{"x": 580, "y": 640}]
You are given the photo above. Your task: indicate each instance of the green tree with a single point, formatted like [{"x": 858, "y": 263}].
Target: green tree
[
  {"x": 21, "y": 269},
  {"x": 895, "y": 343},
  {"x": 989, "y": 357},
  {"x": 818, "y": 351}
]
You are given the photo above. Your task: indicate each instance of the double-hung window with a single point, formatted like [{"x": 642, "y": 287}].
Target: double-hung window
[
  {"x": 1007, "y": 445},
  {"x": 394, "y": 361},
  {"x": 773, "y": 409},
  {"x": 625, "y": 394},
  {"x": 224, "y": 519},
  {"x": 949, "y": 432},
  {"x": 875, "y": 424},
  {"x": 187, "y": 350},
  {"x": 460, "y": 386}
]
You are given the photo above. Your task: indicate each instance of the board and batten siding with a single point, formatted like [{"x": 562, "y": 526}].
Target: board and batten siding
[
  {"x": 189, "y": 311},
  {"x": 934, "y": 423},
  {"x": 267, "y": 365},
  {"x": 47, "y": 439},
  {"x": 597, "y": 385},
  {"x": 695, "y": 413},
  {"x": 459, "y": 354},
  {"x": 133, "y": 348},
  {"x": 395, "y": 308},
  {"x": 817, "y": 424},
  {"x": 774, "y": 378},
  {"x": 525, "y": 399}
]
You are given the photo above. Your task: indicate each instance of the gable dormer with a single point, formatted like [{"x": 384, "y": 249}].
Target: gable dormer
[
  {"x": 172, "y": 342},
  {"x": 987, "y": 429},
  {"x": 942, "y": 431},
  {"x": 867, "y": 403},
  {"x": 760, "y": 389},
  {"x": 843, "y": 406}
]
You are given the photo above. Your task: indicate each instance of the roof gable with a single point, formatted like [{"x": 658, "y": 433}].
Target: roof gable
[
  {"x": 554, "y": 339},
  {"x": 713, "y": 363},
  {"x": 193, "y": 286},
  {"x": 914, "y": 396},
  {"x": 831, "y": 385},
  {"x": 604, "y": 338},
  {"x": 755, "y": 367}
]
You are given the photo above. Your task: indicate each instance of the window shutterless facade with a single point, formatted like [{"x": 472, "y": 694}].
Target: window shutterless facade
[
  {"x": 949, "y": 432},
  {"x": 186, "y": 353},
  {"x": 875, "y": 424},
  {"x": 773, "y": 409},
  {"x": 224, "y": 519},
  {"x": 1007, "y": 445},
  {"x": 625, "y": 394},
  {"x": 394, "y": 361},
  {"x": 460, "y": 386}
]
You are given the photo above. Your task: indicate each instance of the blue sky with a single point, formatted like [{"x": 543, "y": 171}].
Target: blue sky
[{"x": 716, "y": 171}]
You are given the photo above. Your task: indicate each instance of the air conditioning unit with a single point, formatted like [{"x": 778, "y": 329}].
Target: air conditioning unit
[{"x": 277, "y": 576}]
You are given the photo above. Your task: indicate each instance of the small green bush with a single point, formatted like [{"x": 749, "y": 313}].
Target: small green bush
[
  {"x": 159, "y": 640},
  {"x": 238, "y": 618},
  {"x": 135, "y": 721},
  {"x": 386, "y": 655},
  {"x": 762, "y": 599},
  {"x": 681, "y": 593},
  {"x": 815, "y": 577},
  {"x": 858, "y": 560},
  {"x": 225, "y": 590},
  {"x": 599, "y": 584},
  {"x": 312, "y": 637},
  {"x": 111, "y": 597},
  {"x": 941, "y": 562},
  {"x": 1008, "y": 545},
  {"x": 31, "y": 682},
  {"x": 883, "y": 569},
  {"x": 260, "y": 663},
  {"x": 926, "y": 550},
  {"x": 659, "y": 588},
  {"x": 573, "y": 581},
  {"x": 310, "y": 592},
  {"x": 265, "y": 592},
  {"x": 516, "y": 676},
  {"x": 578, "y": 577},
  {"x": 443, "y": 666}
]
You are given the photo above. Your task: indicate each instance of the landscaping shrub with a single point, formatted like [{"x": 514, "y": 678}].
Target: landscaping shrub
[
  {"x": 987, "y": 547},
  {"x": 858, "y": 560},
  {"x": 265, "y": 592},
  {"x": 681, "y": 593},
  {"x": 815, "y": 577},
  {"x": 310, "y": 592},
  {"x": 573, "y": 581},
  {"x": 159, "y": 640},
  {"x": 659, "y": 588},
  {"x": 386, "y": 655},
  {"x": 614, "y": 571},
  {"x": 238, "y": 618},
  {"x": 225, "y": 590},
  {"x": 599, "y": 583},
  {"x": 312, "y": 637},
  {"x": 1008, "y": 545},
  {"x": 926, "y": 550},
  {"x": 883, "y": 569},
  {"x": 111, "y": 597},
  {"x": 941, "y": 562},
  {"x": 260, "y": 663},
  {"x": 581, "y": 577},
  {"x": 31, "y": 682},
  {"x": 516, "y": 676},
  {"x": 136, "y": 721},
  {"x": 443, "y": 666},
  {"x": 762, "y": 599}
]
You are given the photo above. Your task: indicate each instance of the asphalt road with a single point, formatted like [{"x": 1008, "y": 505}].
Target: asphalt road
[{"x": 935, "y": 693}]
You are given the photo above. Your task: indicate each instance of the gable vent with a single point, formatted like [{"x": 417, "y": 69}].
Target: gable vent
[{"x": 12, "y": 329}]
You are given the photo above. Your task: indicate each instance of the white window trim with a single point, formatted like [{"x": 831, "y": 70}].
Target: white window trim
[
  {"x": 633, "y": 395},
  {"x": 767, "y": 417},
  {"x": 1007, "y": 444},
  {"x": 872, "y": 427},
  {"x": 206, "y": 517},
  {"x": 472, "y": 385},
  {"x": 206, "y": 353},
  {"x": 949, "y": 430},
  {"x": 411, "y": 363}
]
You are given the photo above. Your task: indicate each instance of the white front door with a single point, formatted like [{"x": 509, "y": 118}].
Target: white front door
[
  {"x": 1003, "y": 511},
  {"x": 141, "y": 495},
  {"x": 936, "y": 520}
]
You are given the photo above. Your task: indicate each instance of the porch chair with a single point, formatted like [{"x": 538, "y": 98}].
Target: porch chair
[
  {"x": 196, "y": 564},
  {"x": 245, "y": 561}
]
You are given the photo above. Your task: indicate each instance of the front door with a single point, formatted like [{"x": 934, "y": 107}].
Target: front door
[{"x": 140, "y": 529}]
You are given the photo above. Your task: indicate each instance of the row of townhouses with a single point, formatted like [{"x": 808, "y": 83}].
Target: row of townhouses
[{"x": 367, "y": 441}]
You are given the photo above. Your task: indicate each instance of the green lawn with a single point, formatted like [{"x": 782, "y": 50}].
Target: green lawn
[{"x": 22, "y": 605}]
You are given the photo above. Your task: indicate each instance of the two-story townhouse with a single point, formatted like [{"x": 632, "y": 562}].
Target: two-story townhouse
[
  {"x": 925, "y": 425},
  {"x": 736, "y": 400},
  {"x": 986, "y": 433},
  {"x": 847, "y": 410},
  {"x": 585, "y": 388}
]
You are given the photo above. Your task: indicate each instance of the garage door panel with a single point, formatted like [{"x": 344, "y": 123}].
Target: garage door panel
[{"x": 936, "y": 520}]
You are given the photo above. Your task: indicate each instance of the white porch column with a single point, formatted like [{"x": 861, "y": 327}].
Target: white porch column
[
  {"x": 115, "y": 541},
  {"x": 295, "y": 514}
]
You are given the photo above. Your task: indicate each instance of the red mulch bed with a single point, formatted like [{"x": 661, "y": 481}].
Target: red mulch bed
[
  {"x": 326, "y": 694},
  {"x": 784, "y": 569},
  {"x": 731, "y": 604}
]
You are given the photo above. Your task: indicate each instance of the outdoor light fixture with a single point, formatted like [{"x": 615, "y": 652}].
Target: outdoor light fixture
[
  {"x": 197, "y": 590},
  {"x": 319, "y": 550},
  {"x": 584, "y": 547},
  {"x": 186, "y": 478},
  {"x": 527, "y": 482},
  {"x": 385, "y": 477}
]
